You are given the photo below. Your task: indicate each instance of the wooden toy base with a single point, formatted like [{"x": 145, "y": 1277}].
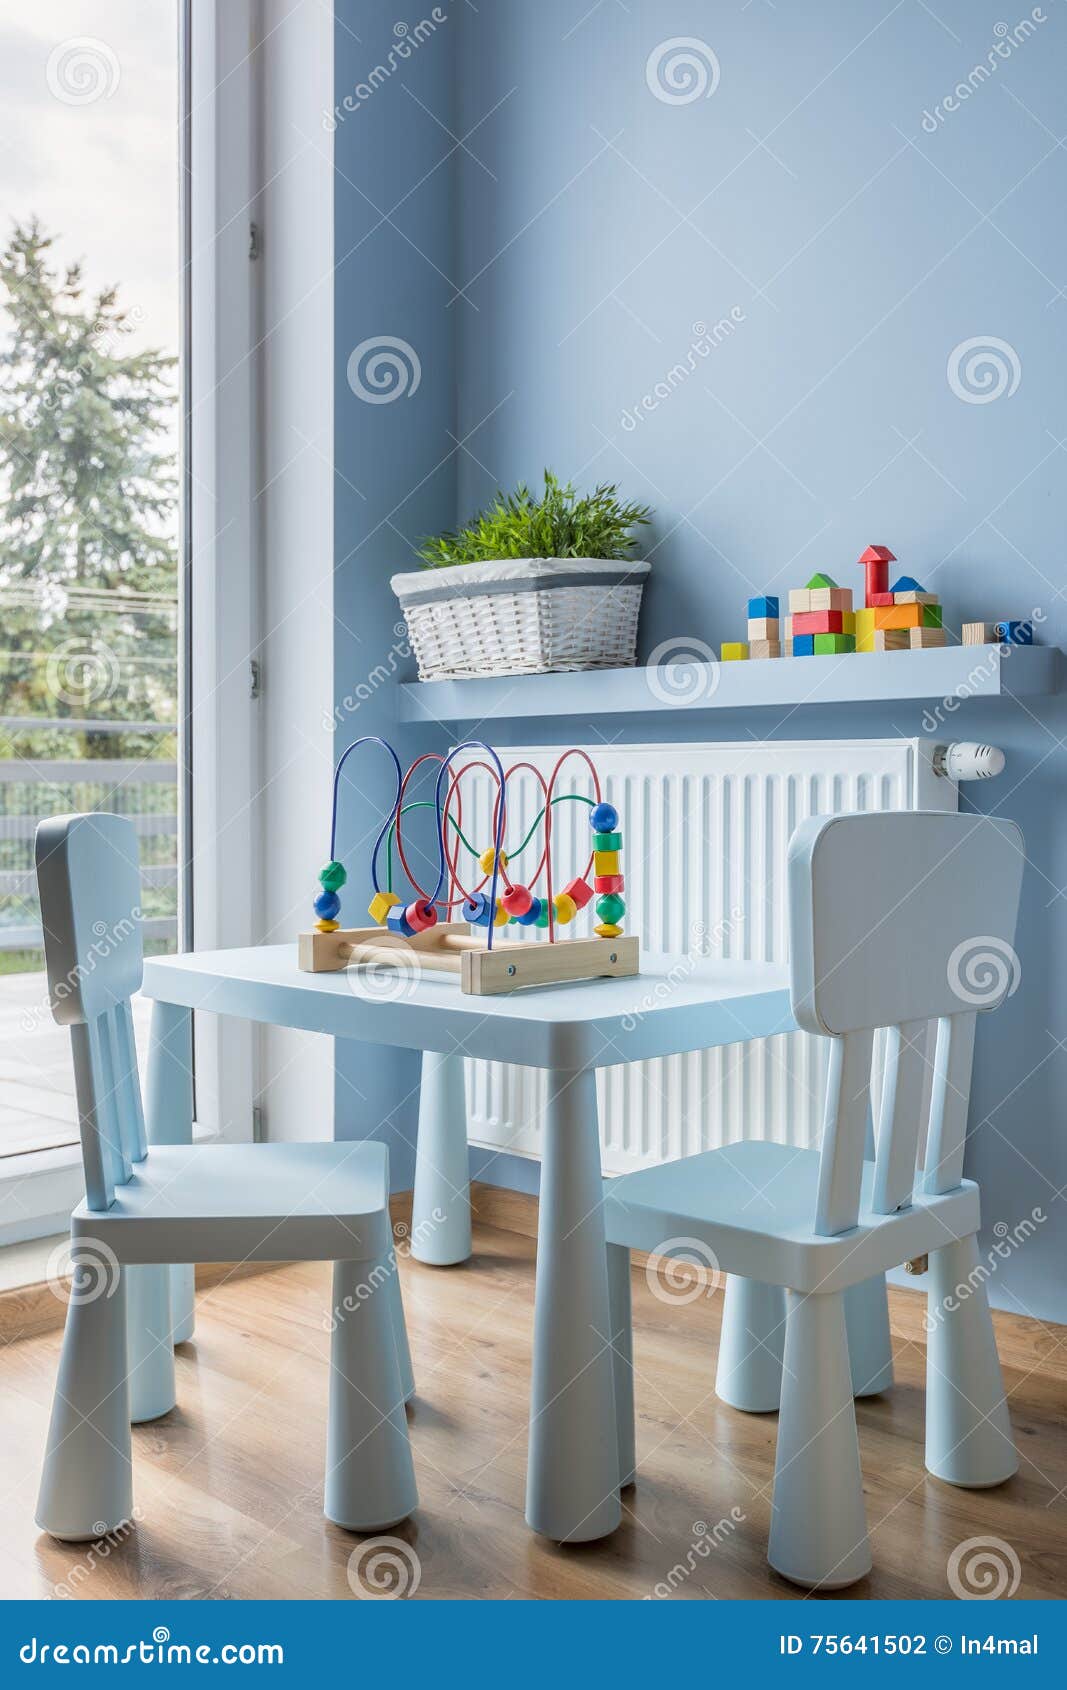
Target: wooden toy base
[{"x": 451, "y": 948}]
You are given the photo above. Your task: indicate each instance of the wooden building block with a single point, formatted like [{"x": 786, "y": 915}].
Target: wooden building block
[
  {"x": 892, "y": 639},
  {"x": 1015, "y": 633},
  {"x": 764, "y": 648},
  {"x": 820, "y": 622},
  {"x": 380, "y": 905},
  {"x": 833, "y": 645},
  {"x": 803, "y": 645},
  {"x": 979, "y": 633},
  {"x": 831, "y": 598},
  {"x": 821, "y": 580},
  {"x": 908, "y": 616},
  {"x": 799, "y": 601},
  {"x": 915, "y": 598},
  {"x": 735, "y": 651},
  {"x": 920, "y": 639},
  {"x": 760, "y": 609},
  {"x": 787, "y": 648},
  {"x": 605, "y": 862},
  {"x": 880, "y": 599},
  {"x": 786, "y": 625},
  {"x": 763, "y": 628}
]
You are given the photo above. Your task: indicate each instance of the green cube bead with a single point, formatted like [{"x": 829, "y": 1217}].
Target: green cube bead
[
  {"x": 610, "y": 908},
  {"x": 333, "y": 876},
  {"x": 607, "y": 842},
  {"x": 832, "y": 645}
]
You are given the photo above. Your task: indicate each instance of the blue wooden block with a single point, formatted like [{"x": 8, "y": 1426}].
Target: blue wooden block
[
  {"x": 1015, "y": 633},
  {"x": 762, "y": 607},
  {"x": 906, "y": 584},
  {"x": 803, "y": 645}
]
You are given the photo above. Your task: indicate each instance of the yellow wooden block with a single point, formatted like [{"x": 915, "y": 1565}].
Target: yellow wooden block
[
  {"x": 380, "y": 905},
  {"x": 607, "y": 931},
  {"x": 606, "y": 862},
  {"x": 486, "y": 860},
  {"x": 863, "y": 623},
  {"x": 848, "y": 622},
  {"x": 734, "y": 652}
]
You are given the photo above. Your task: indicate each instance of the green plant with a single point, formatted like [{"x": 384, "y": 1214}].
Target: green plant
[{"x": 561, "y": 523}]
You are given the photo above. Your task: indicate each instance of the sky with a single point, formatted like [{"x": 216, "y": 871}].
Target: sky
[{"x": 89, "y": 143}]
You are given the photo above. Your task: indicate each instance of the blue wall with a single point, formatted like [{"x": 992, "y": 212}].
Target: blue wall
[{"x": 848, "y": 250}]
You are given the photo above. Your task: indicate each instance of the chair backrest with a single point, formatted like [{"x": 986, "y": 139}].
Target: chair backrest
[
  {"x": 898, "y": 921},
  {"x": 89, "y": 882}
]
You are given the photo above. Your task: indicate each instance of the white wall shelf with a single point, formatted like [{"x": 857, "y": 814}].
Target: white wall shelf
[{"x": 953, "y": 672}]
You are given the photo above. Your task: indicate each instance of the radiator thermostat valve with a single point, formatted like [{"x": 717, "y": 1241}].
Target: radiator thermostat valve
[{"x": 968, "y": 762}]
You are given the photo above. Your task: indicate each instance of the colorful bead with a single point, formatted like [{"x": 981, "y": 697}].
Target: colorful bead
[
  {"x": 380, "y": 905},
  {"x": 517, "y": 900},
  {"x": 607, "y": 931},
  {"x": 532, "y": 918},
  {"x": 565, "y": 907},
  {"x": 607, "y": 842},
  {"x": 327, "y": 926},
  {"x": 421, "y": 915},
  {"x": 603, "y": 818},
  {"x": 487, "y": 857},
  {"x": 542, "y": 919},
  {"x": 333, "y": 876},
  {"x": 397, "y": 922},
  {"x": 580, "y": 891},
  {"x": 608, "y": 883},
  {"x": 610, "y": 908},
  {"x": 327, "y": 905},
  {"x": 502, "y": 917},
  {"x": 605, "y": 862},
  {"x": 476, "y": 910}
]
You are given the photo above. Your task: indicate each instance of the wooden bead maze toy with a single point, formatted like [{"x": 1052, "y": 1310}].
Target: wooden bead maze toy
[{"x": 453, "y": 927}]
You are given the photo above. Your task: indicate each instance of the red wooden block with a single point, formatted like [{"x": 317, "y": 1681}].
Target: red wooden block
[
  {"x": 608, "y": 883},
  {"x": 819, "y": 622},
  {"x": 579, "y": 891},
  {"x": 879, "y": 598}
]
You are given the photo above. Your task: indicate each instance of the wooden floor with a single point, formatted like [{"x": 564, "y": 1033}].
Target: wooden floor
[{"x": 229, "y": 1487}]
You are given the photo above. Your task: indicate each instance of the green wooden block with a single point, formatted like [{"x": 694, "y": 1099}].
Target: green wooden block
[
  {"x": 831, "y": 645},
  {"x": 820, "y": 581},
  {"x": 932, "y": 616},
  {"x": 607, "y": 842}
]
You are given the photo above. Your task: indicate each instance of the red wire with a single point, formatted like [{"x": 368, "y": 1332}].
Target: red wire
[{"x": 575, "y": 751}]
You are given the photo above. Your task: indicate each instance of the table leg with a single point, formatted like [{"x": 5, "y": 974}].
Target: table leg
[
  {"x": 169, "y": 1120},
  {"x": 441, "y": 1206},
  {"x": 572, "y": 1480}
]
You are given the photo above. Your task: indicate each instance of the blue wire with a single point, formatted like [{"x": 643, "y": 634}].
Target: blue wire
[
  {"x": 471, "y": 745},
  {"x": 368, "y": 739}
]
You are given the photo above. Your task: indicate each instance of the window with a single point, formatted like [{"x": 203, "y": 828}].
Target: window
[{"x": 90, "y": 487}]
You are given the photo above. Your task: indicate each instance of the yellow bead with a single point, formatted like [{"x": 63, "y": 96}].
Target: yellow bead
[
  {"x": 486, "y": 860},
  {"x": 606, "y": 862},
  {"x": 565, "y": 907},
  {"x": 380, "y": 905},
  {"x": 327, "y": 926},
  {"x": 607, "y": 931},
  {"x": 501, "y": 918}
]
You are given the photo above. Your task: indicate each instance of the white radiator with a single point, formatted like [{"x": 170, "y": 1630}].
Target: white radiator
[{"x": 705, "y": 830}]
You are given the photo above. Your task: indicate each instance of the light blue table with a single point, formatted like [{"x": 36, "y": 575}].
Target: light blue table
[{"x": 673, "y": 1006}]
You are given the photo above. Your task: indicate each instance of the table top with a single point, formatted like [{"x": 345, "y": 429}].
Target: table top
[{"x": 675, "y": 1004}]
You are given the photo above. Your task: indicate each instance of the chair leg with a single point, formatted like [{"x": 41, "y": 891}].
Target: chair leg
[
  {"x": 370, "y": 1479},
  {"x": 622, "y": 1352},
  {"x": 393, "y": 1296},
  {"x": 818, "y": 1528},
  {"x": 751, "y": 1342},
  {"x": 150, "y": 1342},
  {"x": 86, "y": 1484},
  {"x": 441, "y": 1205},
  {"x": 870, "y": 1344},
  {"x": 968, "y": 1431}
]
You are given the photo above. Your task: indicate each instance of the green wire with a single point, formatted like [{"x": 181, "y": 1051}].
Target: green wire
[{"x": 425, "y": 804}]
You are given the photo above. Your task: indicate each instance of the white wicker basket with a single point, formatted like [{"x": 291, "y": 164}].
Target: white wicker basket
[{"x": 525, "y": 616}]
